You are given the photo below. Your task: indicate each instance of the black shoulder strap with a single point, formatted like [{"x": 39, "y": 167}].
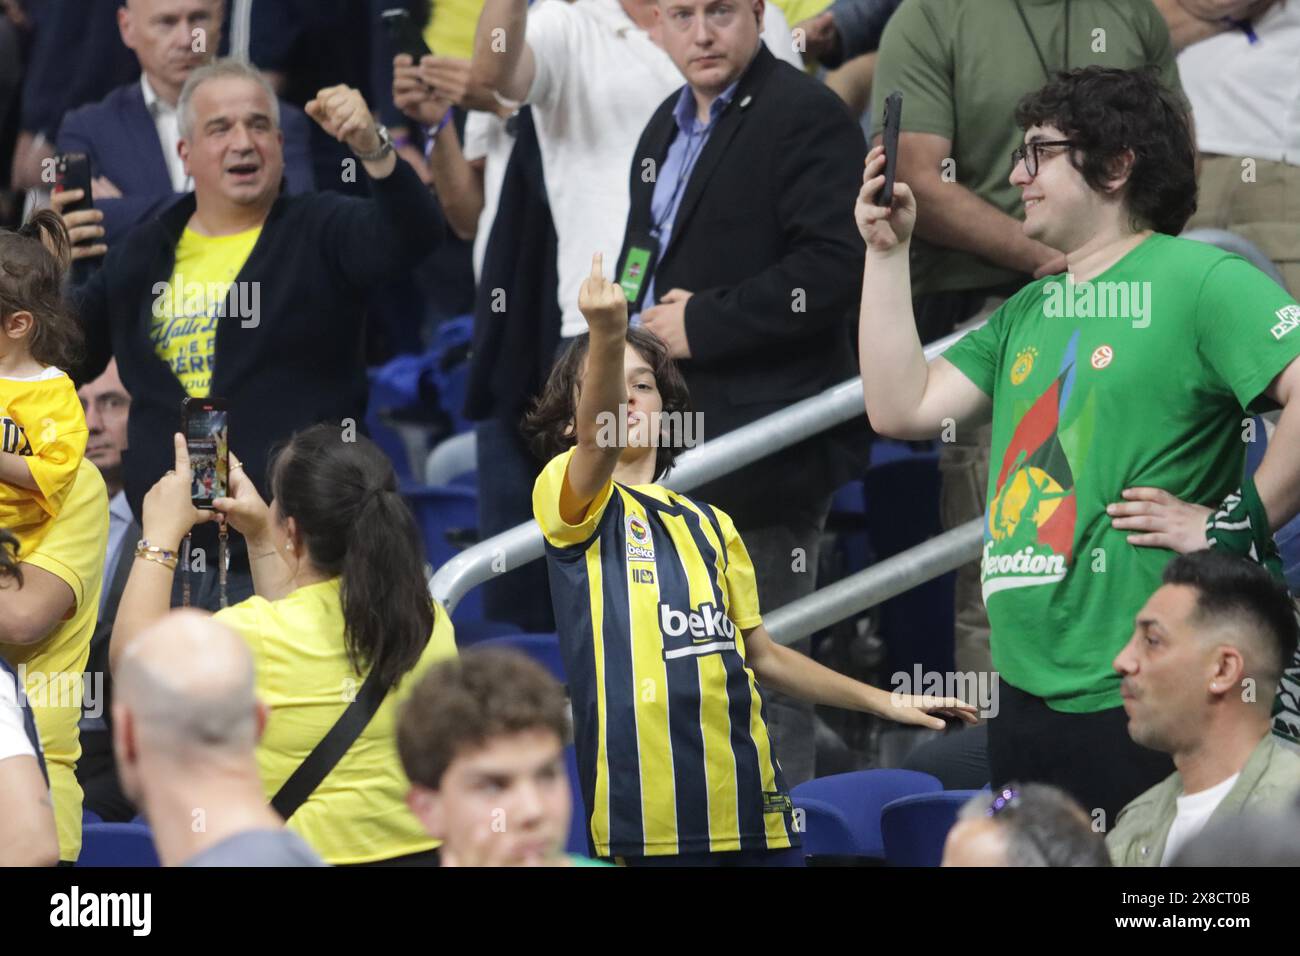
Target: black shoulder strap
[{"x": 326, "y": 755}]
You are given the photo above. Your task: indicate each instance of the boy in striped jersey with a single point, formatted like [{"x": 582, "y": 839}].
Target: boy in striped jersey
[{"x": 659, "y": 622}]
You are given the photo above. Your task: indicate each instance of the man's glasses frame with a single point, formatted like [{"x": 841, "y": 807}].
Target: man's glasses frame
[{"x": 1029, "y": 153}]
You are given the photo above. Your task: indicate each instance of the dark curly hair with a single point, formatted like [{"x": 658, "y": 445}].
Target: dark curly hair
[
  {"x": 549, "y": 426},
  {"x": 33, "y": 261},
  {"x": 1105, "y": 112}
]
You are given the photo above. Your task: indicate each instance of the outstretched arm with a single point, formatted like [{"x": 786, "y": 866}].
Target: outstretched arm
[{"x": 786, "y": 670}]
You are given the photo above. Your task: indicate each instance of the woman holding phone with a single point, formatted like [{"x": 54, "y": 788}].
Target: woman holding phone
[{"x": 341, "y": 613}]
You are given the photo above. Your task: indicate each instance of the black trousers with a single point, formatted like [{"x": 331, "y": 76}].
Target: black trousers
[{"x": 1089, "y": 756}]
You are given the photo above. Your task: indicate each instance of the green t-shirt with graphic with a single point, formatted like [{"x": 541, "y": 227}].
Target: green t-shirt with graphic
[
  {"x": 1139, "y": 377},
  {"x": 963, "y": 65}
]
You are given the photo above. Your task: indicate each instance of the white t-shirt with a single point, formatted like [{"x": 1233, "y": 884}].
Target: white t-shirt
[
  {"x": 1194, "y": 811},
  {"x": 13, "y": 734},
  {"x": 1246, "y": 96},
  {"x": 486, "y": 139},
  {"x": 599, "y": 79}
]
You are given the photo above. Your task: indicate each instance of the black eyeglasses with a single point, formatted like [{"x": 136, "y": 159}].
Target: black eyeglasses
[{"x": 1029, "y": 153}]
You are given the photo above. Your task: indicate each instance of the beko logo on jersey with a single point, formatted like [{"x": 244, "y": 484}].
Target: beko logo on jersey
[
  {"x": 708, "y": 621},
  {"x": 1290, "y": 316}
]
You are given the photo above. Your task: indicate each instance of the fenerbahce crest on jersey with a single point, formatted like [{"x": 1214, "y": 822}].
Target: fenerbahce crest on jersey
[{"x": 1029, "y": 531}]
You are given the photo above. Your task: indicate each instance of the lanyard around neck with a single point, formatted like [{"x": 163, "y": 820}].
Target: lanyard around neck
[{"x": 1042, "y": 61}]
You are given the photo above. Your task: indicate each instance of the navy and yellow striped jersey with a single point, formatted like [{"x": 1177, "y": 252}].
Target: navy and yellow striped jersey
[{"x": 651, "y": 593}]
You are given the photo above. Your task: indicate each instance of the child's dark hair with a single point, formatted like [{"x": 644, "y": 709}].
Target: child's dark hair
[
  {"x": 1106, "y": 111},
  {"x": 342, "y": 494},
  {"x": 549, "y": 427},
  {"x": 31, "y": 280}
]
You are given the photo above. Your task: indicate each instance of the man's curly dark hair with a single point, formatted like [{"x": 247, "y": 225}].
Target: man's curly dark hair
[{"x": 1105, "y": 112}]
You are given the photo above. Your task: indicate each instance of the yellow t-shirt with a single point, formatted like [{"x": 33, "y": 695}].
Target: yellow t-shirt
[
  {"x": 797, "y": 11},
  {"x": 52, "y": 670},
  {"x": 185, "y": 310},
  {"x": 40, "y": 419},
  {"x": 358, "y": 814},
  {"x": 451, "y": 28}
]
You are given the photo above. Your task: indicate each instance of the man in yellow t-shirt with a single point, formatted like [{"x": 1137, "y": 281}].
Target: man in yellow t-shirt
[
  {"x": 45, "y": 629},
  {"x": 184, "y": 324}
]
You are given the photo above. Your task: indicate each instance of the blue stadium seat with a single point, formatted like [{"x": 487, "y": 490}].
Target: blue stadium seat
[
  {"x": 117, "y": 844},
  {"x": 471, "y": 632},
  {"x": 90, "y": 816},
  {"x": 442, "y": 511},
  {"x": 543, "y": 648},
  {"x": 851, "y": 825},
  {"x": 915, "y": 828},
  {"x": 825, "y": 830}
]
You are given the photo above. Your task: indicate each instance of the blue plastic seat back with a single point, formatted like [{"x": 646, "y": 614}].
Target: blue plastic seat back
[
  {"x": 858, "y": 799},
  {"x": 914, "y": 828},
  {"x": 117, "y": 844}
]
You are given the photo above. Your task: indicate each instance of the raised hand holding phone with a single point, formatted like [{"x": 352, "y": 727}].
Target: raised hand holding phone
[{"x": 883, "y": 227}]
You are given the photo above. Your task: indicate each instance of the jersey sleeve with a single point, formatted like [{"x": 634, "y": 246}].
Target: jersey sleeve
[
  {"x": 550, "y": 34},
  {"x": 915, "y": 58},
  {"x": 55, "y": 427},
  {"x": 546, "y": 505},
  {"x": 978, "y": 353},
  {"x": 73, "y": 548},
  {"x": 1247, "y": 329},
  {"x": 742, "y": 586}
]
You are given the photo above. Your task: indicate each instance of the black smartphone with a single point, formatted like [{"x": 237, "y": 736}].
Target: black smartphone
[
  {"x": 206, "y": 433},
  {"x": 72, "y": 171},
  {"x": 403, "y": 35},
  {"x": 893, "y": 118}
]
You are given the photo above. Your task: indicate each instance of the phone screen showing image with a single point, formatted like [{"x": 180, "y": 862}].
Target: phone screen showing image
[{"x": 206, "y": 436}]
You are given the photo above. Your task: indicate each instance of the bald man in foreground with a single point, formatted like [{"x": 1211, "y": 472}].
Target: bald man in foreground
[{"x": 185, "y": 725}]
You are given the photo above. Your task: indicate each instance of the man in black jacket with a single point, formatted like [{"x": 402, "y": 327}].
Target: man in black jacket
[
  {"x": 740, "y": 257},
  {"x": 241, "y": 293}
]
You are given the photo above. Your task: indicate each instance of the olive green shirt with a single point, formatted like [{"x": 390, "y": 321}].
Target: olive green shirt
[{"x": 963, "y": 65}]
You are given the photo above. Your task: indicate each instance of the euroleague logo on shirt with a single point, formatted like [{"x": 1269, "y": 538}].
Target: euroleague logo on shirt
[{"x": 640, "y": 546}]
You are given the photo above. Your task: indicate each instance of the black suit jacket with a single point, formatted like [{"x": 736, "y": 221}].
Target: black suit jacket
[
  {"x": 299, "y": 361},
  {"x": 765, "y": 239}
]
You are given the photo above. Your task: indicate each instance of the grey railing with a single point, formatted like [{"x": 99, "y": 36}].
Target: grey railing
[
  {"x": 844, "y": 598},
  {"x": 695, "y": 467}
]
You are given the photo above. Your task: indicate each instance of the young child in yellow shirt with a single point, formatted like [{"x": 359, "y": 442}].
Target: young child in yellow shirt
[{"x": 42, "y": 425}]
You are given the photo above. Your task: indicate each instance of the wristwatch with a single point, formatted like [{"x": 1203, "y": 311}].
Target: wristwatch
[{"x": 385, "y": 146}]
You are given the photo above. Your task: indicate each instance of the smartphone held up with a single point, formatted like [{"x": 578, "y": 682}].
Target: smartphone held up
[
  {"x": 207, "y": 439},
  {"x": 893, "y": 119}
]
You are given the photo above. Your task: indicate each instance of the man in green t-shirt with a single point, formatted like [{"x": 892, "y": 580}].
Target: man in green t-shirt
[
  {"x": 962, "y": 66},
  {"x": 1117, "y": 394}
]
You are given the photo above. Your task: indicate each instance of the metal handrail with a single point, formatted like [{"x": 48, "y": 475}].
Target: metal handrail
[{"x": 697, "y": 466}]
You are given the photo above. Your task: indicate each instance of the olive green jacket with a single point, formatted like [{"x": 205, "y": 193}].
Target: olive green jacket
[{"x": 1270, "y": 780}]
